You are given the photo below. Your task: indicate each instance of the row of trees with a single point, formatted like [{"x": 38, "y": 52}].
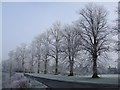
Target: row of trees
[{"x": 87, "y": 39}]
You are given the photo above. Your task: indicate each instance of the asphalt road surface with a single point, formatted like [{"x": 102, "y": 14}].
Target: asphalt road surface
[{"x": 54, "y": 83}]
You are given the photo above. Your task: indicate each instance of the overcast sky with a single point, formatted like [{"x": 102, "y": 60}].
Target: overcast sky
[{"x": 21, "y": 22}]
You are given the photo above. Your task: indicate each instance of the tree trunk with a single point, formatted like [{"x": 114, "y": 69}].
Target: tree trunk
[
  {"x": 31, "y": 70},
  {"x": 23, "y": 68},
  {"x": 56, "y": 67},
  {"x": 38, "y": 68},
  {"x": 45, "y": 71},
  {"x": 95, "y": 73},
  {"x": 38, "y": 64},
  {"x": 56, "y": 59},
  {"x": 71, "y": 70},
  {"x": 71, "y": 66},
  {"x": 10, "y": 71}
]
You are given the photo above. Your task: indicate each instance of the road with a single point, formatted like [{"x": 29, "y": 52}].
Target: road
[{"x": 57, "y": 83}]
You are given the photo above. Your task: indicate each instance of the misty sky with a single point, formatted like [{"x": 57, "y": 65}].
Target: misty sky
[{"x": 21, "y": 22}]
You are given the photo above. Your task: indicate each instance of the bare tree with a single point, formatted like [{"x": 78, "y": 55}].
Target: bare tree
[
  {"x": 45, "y": 50},
  {"x": 94, "y": 29},
  {"x": 55, "y": 43},
  {"x": 32, "y": 56},
  {"x": 11, "y": 58},
  {"x": 17, "y": 60},
  {"x": 118, "y": 17},
  {"x": 118, "y": 37},
  {"x": 116, "y": 30},
  {"x": 22, "y": 51},
  {"x": 71, "y": 45},
  {"x": 38, "y": 44}
]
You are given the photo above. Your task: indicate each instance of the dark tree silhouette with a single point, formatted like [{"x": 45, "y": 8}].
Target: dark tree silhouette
[{"x": 94, "y": 32}]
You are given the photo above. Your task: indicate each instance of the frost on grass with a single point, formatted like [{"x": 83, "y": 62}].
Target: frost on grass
[
  {"x": 37, "y": 84},
  {"x": 17, "y": 80},
  {"x": 21, "y": 83}
]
